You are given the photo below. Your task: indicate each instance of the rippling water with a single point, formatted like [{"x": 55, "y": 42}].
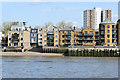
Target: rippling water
[{"x": 59, "y": 67}]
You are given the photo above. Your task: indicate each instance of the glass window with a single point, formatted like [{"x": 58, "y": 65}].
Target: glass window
[
  {"x": 56, "y": 35},
  {"x": 108, "y": 26},
  {"x": 90, "y": 32},
  {"x": 112, "y": 26},
  {"x": 108, "y": 31},
  {"x": 21, "y": 44},
  {"x": 108, "y": 36},
  {"x": 21, "y": 33},
  {"x": 56, "y": 31},
  {"x": 103, "y": 26},
  {"x": 44, "y": 35},
  {"x": 56, "y": 40},
  {"x": 9, "y": 44},
  {"x": 9, "y": 33},
  {"x": 44, "y": 40},
  {"x": 63, "y": 31},
  {"x": 62, "y": 36},
  {"x": 108, "y": 40},
  {"x": 9, "y": 38},
  {"x": 85, "y": 32},
  {"x": 21, "y": 39}
]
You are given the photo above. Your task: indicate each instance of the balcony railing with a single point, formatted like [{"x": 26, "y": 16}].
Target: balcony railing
[
  {"x": 102, "y": 38},
  {"x": 68, "y": 38},
  {"x": 114, "y": 43},
  {"x": 67, "y": 42},
  {"x": 102, "y": 33},
  {"x": 96, "y": 34},
  {"x": 114, "y": 37},
  {"x": 114, "y": 33},
  {"x": 114, "y": 28},
  {"x": 88, "y": 34},
  {"x": 50, "y": 32},
  {"x": 79, "y": 39},
  {"x": 67, "y": 33},
  {"x": 102, "y": 28},
  {"x": 79, "y": 34},
  {"x": 79, "y": 42}
]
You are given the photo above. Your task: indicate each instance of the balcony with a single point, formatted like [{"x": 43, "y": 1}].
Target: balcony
[
  {"x": 102, "y": 33},
  {"x": 79, "y": 34},
  {"x": 102, "y": 38},
  {"x": 88, "y": 34},
  {"x": 79, "y": 39},
  {"x": 67, "y": 33},
  {"x": 67, "y": 42},
  {"x": 114, "y": 37},
  {"x": 96, "y": 38},
  {"x": 114, "y": 28},
  {"x": 68, "y": 38},
  {"x": 96, "y": 34},
  {"x": 114, "y": 43},
  {"x": 50, "y": 32},
  {"x": 114, "y": 33},
  {"x": 102, "y": 28},
  {"x": 79, "y": 42}
]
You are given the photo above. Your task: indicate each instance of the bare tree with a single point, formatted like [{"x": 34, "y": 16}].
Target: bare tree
[
  {"x": 48, "y": 24},
  {"x": 61, "y": 24}
]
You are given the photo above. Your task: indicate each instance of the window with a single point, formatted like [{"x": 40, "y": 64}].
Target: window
[
  {"x": 112, "y": 26},
  {"x": 21, "y": 33},
  {"x": 108, "y": 36},
  {"x": 16, "y": 29},
  {"x": 85, "y": 32},
  {"x": 40, "y": 34},
  {"x": 21, "y": 39},
  {"x": 44, "y": 35},
  {"x": 9, "y": 33},
  {"x": 108, "y": 26},
  {"x": 63, "y": 41},
  {"x": 62, "y": 36},
  {"x": 108, "y": 41},
  {"x": 9, "y": 38},
  {"x": 33, "y": 35},
  {"x": 55, "y": 40},
  {"x": 108, "y": 31},
  {"x": 56, "y": 35},
  {"x": 56, "y": 31},
  {"x": 102, "y": 26},
  {"x": 45, "y": 31},
  {"x": 9, "y": 44},
  {"x": 90, "y": 32},
  {"x": 44, "y": 40},
  {"x": 21, "y": 44},
  {"x": 63, "y": 31}
]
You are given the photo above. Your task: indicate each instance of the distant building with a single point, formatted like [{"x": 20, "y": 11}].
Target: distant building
[
  {"x": 34, "y": 37},
  {"x": 92, "y": 18},
  {"x": 19, "y": 37},
  {"x": 119, "y": 10},
  {"x": 48, "y": 36},
  {"x": 108, "y": 33},
  {"x": 95, "y": 16},
  {"x": 106, "y": 14}
]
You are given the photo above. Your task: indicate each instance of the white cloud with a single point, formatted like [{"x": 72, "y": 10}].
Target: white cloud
[{"x": 115, "y": 16}]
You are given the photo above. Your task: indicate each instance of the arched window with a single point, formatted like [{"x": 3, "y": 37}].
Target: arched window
[{"x": 108, "y": 26}]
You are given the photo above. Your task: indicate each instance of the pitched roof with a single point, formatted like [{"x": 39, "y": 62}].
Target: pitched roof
[
  {"x": 107, "y": 21},
  {"x": 66, "y": 28}
]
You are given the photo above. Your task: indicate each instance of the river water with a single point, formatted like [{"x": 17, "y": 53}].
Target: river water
[{"x": 59, "y": 67}]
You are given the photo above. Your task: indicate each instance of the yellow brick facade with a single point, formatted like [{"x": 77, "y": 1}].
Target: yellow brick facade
[
  {"x": 108, "y": 34},
  {"x": 23, "y": 39}
]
